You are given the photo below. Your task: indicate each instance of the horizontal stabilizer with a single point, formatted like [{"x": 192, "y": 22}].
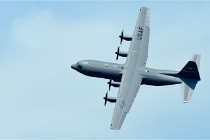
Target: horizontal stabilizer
[{"x": 188, "y": 86}]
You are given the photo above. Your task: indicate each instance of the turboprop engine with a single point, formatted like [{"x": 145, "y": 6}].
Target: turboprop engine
[
  {"x": 114, "y": 84},
  {"x": 123, "y": 37},
  {"x": 120, "y": 53},
  {"x": 109, "y": 99}
]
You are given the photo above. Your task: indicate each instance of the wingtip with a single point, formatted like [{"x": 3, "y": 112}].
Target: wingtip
[{"x": 114, "y": 128}]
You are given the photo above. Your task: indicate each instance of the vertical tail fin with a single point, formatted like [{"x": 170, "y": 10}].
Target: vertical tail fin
[
  {"x": 190, "y": 77},
  {"x": 191, "y": 69},
  {"x": 196, "y": 58}
]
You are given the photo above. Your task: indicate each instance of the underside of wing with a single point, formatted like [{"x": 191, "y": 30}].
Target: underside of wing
[
  {"x": 126, "y": 96},
  {"x": 140, "y": 42},
  {"x": 131, "y": 80}
]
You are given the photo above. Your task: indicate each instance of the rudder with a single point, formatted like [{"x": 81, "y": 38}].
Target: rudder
[{"x": 191, "y": 69}]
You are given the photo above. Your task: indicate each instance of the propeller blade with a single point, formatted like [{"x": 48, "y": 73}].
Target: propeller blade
[
  {"x": 118, "y": 50},
  {"x": 110, "y": 81},
  {"x": 121, "y": 36},
  {"x": 105, "y": 98}
]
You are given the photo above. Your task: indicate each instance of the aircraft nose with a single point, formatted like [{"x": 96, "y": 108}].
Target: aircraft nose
[{"x": 73, "y": 66}]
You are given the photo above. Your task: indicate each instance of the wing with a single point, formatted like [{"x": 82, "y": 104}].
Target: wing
[
  {"x": 126, "y": 96},
  {"x": 140, "y": 42},
  {"x": 131, "y": 80}
]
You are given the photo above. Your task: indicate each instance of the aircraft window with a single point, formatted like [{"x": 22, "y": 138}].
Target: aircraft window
[
  {"x": 80, "y": 67},
  {"x": 146, "y": 70}
]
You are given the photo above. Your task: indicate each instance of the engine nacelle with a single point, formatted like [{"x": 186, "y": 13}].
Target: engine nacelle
[
  {"x": 126, "y": 37},
  {"x": 111, "y": 99},
  {"x": 122, "y": 54},
  {"x": 114, "y": 84}
]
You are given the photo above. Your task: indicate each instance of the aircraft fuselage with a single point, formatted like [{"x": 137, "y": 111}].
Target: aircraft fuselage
[{"x": 114, "y": 71}]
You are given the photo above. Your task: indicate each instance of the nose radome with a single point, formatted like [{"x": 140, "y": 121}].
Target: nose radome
[{"x": 73, "y": 66}]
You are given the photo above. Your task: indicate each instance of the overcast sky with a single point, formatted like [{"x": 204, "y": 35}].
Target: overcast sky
[{"x": 42, "y": 97}]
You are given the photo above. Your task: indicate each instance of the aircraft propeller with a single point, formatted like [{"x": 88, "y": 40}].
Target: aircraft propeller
[
  {"x": 117, "y": 52},
  {"x": 105, "y": 98},
  {"x": 121, "y": 36},
  {"x": 110, "y": 81}
]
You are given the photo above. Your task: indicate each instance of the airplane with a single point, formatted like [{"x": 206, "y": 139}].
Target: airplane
[{"x": 134, "y": 73}]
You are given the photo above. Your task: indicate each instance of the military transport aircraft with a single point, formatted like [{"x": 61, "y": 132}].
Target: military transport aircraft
[{"x": 134, "y": 73}]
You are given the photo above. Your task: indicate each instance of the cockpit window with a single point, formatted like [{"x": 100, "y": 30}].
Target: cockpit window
[{"x": 79, "y": 66}]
